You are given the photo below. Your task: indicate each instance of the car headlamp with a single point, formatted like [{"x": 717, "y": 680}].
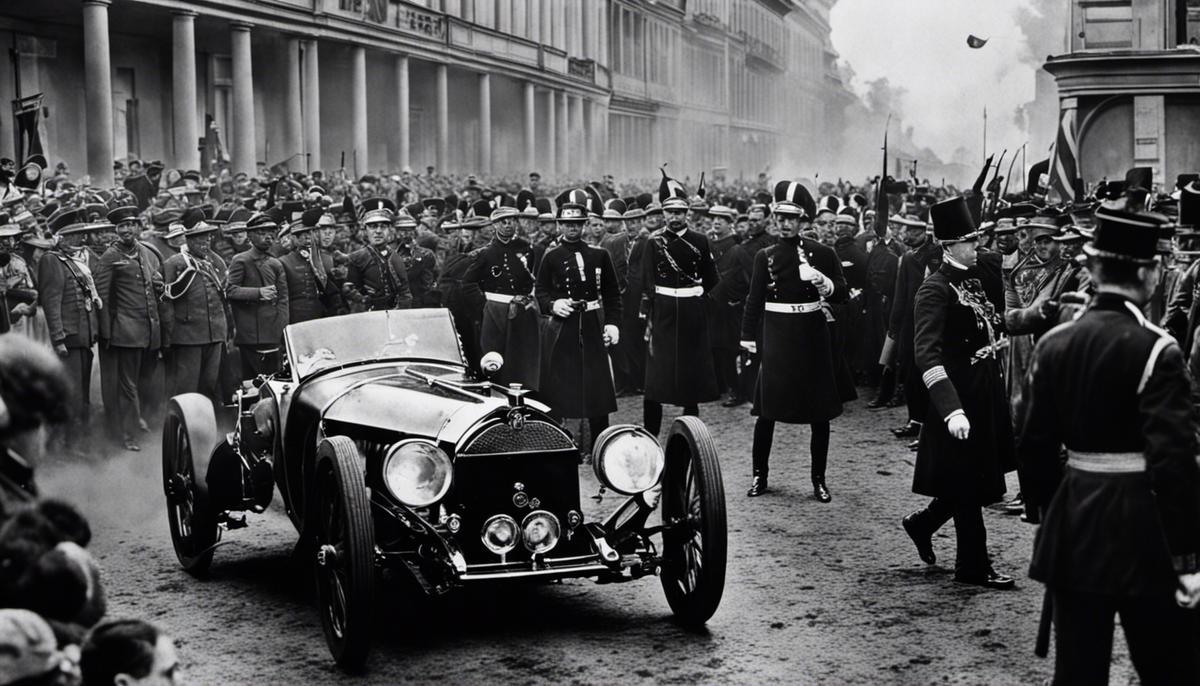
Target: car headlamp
[
  {"x": 417, "y": 472},
  {"x": 540, "y": 531},
  {"x": 500, "y": 534},
  {"x": 628, "y": 459}
]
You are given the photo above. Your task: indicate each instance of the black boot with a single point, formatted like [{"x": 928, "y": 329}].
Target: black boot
[
  {"x": 758, "y": 486},
  {"x": 820, "y": 492},
  {"x": 920, "y": 538}
]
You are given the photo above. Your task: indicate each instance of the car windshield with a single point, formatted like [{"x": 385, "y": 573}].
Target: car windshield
[{"x": 426, "y": 334}]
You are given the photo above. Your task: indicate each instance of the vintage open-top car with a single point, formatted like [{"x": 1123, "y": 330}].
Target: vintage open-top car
[{"x": 388, "y": 454}]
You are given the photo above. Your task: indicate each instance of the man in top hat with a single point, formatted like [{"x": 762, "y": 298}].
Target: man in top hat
[
  {"x": 786, "y": 311},
  {"x": 727, "y": 301},
  {"x": 420, "y": 263},
  {"x": 678, "y": 272},
  {"x": 1120, "y": 533},
  {"x": 922, "y": 259},
  {"x": 68, "y": 297},
  {"x": 313, "y": 292},
  {"x": 375, "y": 274},
  {"x": 199, "y": 325},
  {"x": 463, "y": 298},
  {"x": 129, "y": 281},
  {"x": 509, "y": 323},
  {"x": 18, "y": 295},
  {"x": 257, "y": 291},
  {"x": 577, "y": 288},
  {"x": 966, "y": 443}
]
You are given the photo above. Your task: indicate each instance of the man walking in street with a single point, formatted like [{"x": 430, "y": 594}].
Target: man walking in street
[
  {"x": 198, "y": 325},
  {"x": 258, "y": 296}
]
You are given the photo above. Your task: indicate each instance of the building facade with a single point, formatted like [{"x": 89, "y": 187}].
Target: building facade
[
  {"x": 563, "y": 87},
  {"x": 1131, "y": 82}
]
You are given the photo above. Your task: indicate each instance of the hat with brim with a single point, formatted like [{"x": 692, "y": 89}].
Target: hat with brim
[
  {"x": 175, "y": 230},
  {"x": 35, "y": 241},
  {"x": 405, "y": 221},
  {"x": 722, "y": 211},
  {"x": 1041, "y": 227},
  {"x": 1124, "y": 236},
  {"x": 10, "y": 230},
  {"x": 261, "y": 222},
  {"x": 1005, "y": 226},
  {"x": 907, "y": 222},
  {"x": 952, "y": 221},
  {"x": 572, "y": 205},
  {"x": 123, "y": 214}
]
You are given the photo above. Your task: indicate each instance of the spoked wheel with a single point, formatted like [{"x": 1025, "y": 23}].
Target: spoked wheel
[
  {"x": 344, "y": 541},
  {"x": 189, "y": 435},
  {"x": 693, "y": 574}
]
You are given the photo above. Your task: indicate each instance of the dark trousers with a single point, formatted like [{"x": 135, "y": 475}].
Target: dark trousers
[
  {"x": 971, "y": 559},
  {"x": 197, "y": 369},
  {"x": 259, "y": 359},
  {"x": 652, "y": 414},
  {"x": 764, "y": 436},
  {"x": 134, "y": 376},
  {"x": 1163, "y": 638},
  {"x": 78, "y": 364},
  {"x": 110, "y": 390},
  {"x": 725, "y": 361}
]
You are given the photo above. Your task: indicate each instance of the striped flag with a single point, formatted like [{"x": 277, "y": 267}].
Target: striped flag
[{"x": 1064, "y": 168}]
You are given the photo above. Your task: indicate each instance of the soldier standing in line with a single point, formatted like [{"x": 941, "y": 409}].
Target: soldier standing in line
[
  {"x": 129, "y": 281},
  {"x": 633, "y": 329},
  {"x": 1120, "y": 533},
  {"x": 757, "y": 238},
  {"x": 198, "y": 327},
  {"x": 966, "y": 443},
  {"x": 678, "y": 273},
  {"x": 785, "y": 311},
  {"x": 727, "y": 301},
  {"x": 616, "y": 244},
  {"x": 258, "y": 296},
  {"x": 420, "y": 264},
  {"x": 577, "y": 287},
  {"x": 922, "y": 259},
  {"x": 67, "y": 294},
  {"x": 375, "y": 275},
  {"x": 883, "y": 259},
  {"x": 313, "y": 293},
  {"x": 464, "y": 299},
  {"x": 510, "y": 320}
]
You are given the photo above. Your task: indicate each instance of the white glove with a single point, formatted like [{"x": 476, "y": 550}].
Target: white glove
[
  {"x": 750, "y": 347},
  {"x": 809, "y": 274},
  {"x": 561, "y": 308},
  {"x": 959, "y": 426},
  {"x": 1188, "y": 594},
  {"x": 612, "y": 335}
]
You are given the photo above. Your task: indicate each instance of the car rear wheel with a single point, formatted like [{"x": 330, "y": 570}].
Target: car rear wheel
[
  {"x": 694, "y": 543},
  {"x": 345, "y": 552},
  {"x": 188, "y": 438}
]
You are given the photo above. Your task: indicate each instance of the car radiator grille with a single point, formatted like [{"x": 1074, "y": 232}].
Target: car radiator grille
[{"x": 535, "y": 436}]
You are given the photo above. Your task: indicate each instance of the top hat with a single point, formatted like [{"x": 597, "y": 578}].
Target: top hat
[
  {"x": 1125, "y": 236},
  {"x": 526, "y": 203},
  {"x": 952, "y": 221}
]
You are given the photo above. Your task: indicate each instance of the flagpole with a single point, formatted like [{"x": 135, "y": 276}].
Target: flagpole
[{"x": 985, "y": 133}]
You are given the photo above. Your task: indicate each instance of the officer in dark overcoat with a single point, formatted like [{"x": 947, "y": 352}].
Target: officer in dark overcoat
[
  {"x": 678, "y": 272},
  {"x": 577, "y": 289},
  {"x": 199, "y": 325},
  {"x": 966, "y": 443},
  {"x": 922, "y": 259},
  {"x": 883, "y": 258},
  {"x": 258, "y": 295},
  {"x": 758, "y": 219},
  {"x": 1120, "y": 533},
  {"x": 727, "y": 301},
  {"x": 375, "y": 274},
  {"x": 792, "y": 282},
  {"x": 129, "y": 281},
  {"x": 633, "y": 327},
  {"x": 510, "y": 322},
  {"x": 313, "y": 292},
  {"x": 462, "y": 298},
  {"x": 420, "y": 263}
]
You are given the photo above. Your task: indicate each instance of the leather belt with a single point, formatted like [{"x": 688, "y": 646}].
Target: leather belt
[
  {"x": 689, "y": 292},
  {"x": 1107, "y": 463},
  {"x": 502, "y": 297},
  {"x": 792, "y": 308}
]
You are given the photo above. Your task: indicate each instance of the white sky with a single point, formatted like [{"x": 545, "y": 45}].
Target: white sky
[{"x": 920, "y": 46}]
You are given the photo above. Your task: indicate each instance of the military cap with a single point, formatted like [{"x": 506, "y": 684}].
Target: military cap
[
  {"x": 504, "y": 206},
  {"x": 545, "y": 209},
  {"x": 309, "y": 220},
  {"x": 952, "y": 221},
  {"x": 793, "y": 199},
  {"x": 194, "y": 222},
  {"x": 261, "y": 222},
  {"x": 236, "y": 221},
  {"x": 847, "y": 215},
  {"x": 165, "y": 217},
  {"x": 572, "y": 205},
  {"x": 66, "y": 220},
  {"x": 9, "y": 230},
  {"x": 1125, "y": 236},
  {"x": 123, "y": 214},
  {"x": 614, "y": 208},
  {"x": 722, "y": 211},
  {"x": 671, "y": 193},
  {"x": 526, "y": 203},
  {"x": 377, "y": 210},
  {"x": 436, "y": 206},
  {"x": 405, "y": 220}
]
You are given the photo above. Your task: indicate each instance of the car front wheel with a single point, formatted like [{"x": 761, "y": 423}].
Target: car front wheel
[
  {"x": 345, "y": 549},
  {"x": 693, "y": 508},
  {"x": 189, "y": 435}
]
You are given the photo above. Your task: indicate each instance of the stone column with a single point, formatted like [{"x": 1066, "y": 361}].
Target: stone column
[
  {"x": 244, "y": 149},
  {"x": 560, "y": 25},
  {"x": 183, "y": 91},
  {"x": 358, "y": 110},
  {"x": 293, "y": 121},
  {"x": 578, "y": 136},
  {"x": 485, "y": 123},
  {"x": 587, "y": 22},
  {"x": 588, "y": 128},
  {"x": 312, "y": 104},
  {"x": 564, "y": 134},
  {"x": 402, "y": 110},
  {"x": 546, "y": 22},
  {"x": 530, "y": 127},
  {"x": 534, "y": 13},
  {"x": 97, "y": 74},
  {"x": 552, "y": 134},
  {"x": 443, "y": 119}
]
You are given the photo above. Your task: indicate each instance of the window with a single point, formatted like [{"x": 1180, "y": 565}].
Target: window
[{"x": 1108, "y": 25}]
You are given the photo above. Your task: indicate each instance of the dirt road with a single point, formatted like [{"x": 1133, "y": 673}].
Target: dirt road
[{"x": 815, "y": 594}]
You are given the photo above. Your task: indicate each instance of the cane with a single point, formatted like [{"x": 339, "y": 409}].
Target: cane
[{"x": 1041, "y": 646}]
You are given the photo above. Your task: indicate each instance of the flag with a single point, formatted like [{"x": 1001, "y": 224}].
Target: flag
[
  {"x": 974, "y": 42},
  {"x": 30, "y": 127},
  {"x": 213, "y": 156},
  {"x": 881, "y": 198},
  {"x": 1064, "y": 167}
]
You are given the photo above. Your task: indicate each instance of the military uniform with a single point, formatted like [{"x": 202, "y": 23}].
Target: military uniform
[
  {"x": 575, "y": 374},
  {"x": 633, "y": 328},
  {"x": 509, "y": 323},
  {"x": 727, "y": 303},
  {"x": 199, "y": 322},
  {"x": 376, "y": 279},
  {"x": 1121, "y": 516},
  {"x": 748, "y": 371},
  {"x": 312, "y": 290},
  {"x": 420, "y": 264},
  {"x": 883, "y": 259},
  {"x": 258, "y": 324},
  {"x": 465, "y": 302},
  {"x": 130, "y": 330},
  {"x": 911, "y": 271},
  {"x": 68, "y": 297}
]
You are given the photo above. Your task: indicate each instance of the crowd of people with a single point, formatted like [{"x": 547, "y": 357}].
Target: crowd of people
[{"x": 746, "y": 293}]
